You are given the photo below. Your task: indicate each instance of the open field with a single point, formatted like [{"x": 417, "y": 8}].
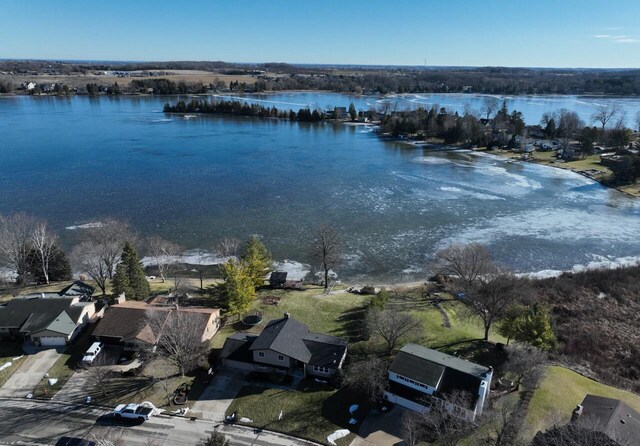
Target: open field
[
  {"x": 81, "y": 80},
  {"x": 560, "y": 392}
]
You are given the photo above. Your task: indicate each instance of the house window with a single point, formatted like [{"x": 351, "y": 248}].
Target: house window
[
  {"x": 320, "y": 369},
  {"x": 280, "y": 358},
  {"x": 260, "y": 354}
]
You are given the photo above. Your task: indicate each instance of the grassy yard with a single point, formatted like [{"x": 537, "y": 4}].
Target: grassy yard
[
  {"x": 8, "y": 351},
  {"x": 560, "y": 392},
  {"x": 312, "y": 411},
  {"x": 335, "y": 314}
]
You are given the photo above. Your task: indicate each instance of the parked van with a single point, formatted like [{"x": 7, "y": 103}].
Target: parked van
[{"x": 92, "y": 353}]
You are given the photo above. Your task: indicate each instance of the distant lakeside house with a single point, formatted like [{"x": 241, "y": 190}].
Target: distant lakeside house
[
  {"x": 126, "y": 324},
  {"x": 48, "y": 319},
  {"x": 420, "y": 376},
  {"x": 286, "y": 346}
]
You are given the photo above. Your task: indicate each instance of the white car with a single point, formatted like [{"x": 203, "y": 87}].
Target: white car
[
  {"x": 133, "y": 411},
  {"x": 92, "y": 353}
]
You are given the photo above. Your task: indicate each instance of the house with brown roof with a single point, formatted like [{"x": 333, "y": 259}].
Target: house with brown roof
[
  {"x": 285, "y": 345},
  {"x": 127, "y": 323}
]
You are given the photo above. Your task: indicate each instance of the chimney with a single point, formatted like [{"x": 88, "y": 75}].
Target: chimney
[
  {"x": 286, "y": 315},
  {"x": 576, "y": 413}
]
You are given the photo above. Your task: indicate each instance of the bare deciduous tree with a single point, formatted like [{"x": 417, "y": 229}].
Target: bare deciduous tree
[
  {"x": 164, "y": 254},
  {"x": 368, "y": 377},
  {"x": 605, "y": 113},
  {"x": 497, "y": 418},
  {"x": 445, "y": 421},
  {"x": 16, "y": 233},
  {"x": 227, "y": 248},
  {"x": 86, "y": 258},
  {"x": 411, "y": 428},
  {"x": 200, "y": 262},
  {"x": 391, "y": 326},
  {"x": 44, "y": 244},
  {"x": 465, "y": 262},
  {"x": 489, "y": 299},
  {"x": 179, "y": 337},
  {"x": 98, "y": 374},
  {"x": 527, "y": 364},
  {"x": 326, "y": 247},
  {"x": 490, "y": 106},
  {"x": 108, "y": 239}
]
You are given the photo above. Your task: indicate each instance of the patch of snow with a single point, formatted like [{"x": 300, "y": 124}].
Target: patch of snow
[
  {"x": 52, "y": 381},
  {"x": 295, "y": 270},
  {"x": 331, "y": 439},
  {"x": 6, "y": 365},
  {"x": 246, "y": 420},
  {"x": 92, "y": 225}
]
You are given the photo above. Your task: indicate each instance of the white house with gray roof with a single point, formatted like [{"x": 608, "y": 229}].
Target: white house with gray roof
[{"x": 420, "y": 376}]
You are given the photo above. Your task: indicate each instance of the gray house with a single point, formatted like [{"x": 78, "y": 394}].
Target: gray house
[{"x": 286, "y": 345}]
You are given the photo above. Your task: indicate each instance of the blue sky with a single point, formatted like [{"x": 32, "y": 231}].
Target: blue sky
[{"x": 558, "y": 33}]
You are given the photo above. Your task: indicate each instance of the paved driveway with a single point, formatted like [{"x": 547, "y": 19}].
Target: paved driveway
[
  {"x": 29, "y": 374},
  {"x": 217, "y": 397}
]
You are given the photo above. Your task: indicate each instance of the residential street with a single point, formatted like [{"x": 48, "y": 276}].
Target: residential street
[
  {"x": 27, "y": 377},
  {"x": 44, "y": 422}
]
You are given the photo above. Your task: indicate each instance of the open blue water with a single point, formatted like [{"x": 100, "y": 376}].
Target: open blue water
[{"x": 78, "y": 160}]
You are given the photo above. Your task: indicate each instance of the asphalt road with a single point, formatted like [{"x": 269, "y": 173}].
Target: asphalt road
[{"x": 29, "y": 422}]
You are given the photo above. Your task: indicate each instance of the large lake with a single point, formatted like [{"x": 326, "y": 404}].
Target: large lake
[{"x": 195, "y": 181}]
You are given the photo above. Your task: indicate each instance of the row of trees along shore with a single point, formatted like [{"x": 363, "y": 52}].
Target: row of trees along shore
[{"x": 242, "y": 108}]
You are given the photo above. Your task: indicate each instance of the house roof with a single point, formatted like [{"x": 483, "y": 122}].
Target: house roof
[
  {"x": 443, "y": 372},
  {"x": 236, "y": 347},
  {"x": 292, "y": 338},
  {"x": 128, "y": 320},
  {"x": 284, "y": 336},
  {"x": 619, "y": 421},
  {"x": 62, "y": 324},
  {"x": 77, "y": 288},
  {"x": 36, "y": 313},
  {"x": 326, "y": 351}
]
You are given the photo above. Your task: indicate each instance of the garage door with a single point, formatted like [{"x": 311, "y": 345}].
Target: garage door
[{"x": 52, "y": 341}]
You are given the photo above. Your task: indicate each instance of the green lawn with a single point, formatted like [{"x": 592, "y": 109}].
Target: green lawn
[
  {"x": 336, "y": 314},
  {"x": 561, "y": 391},
  {"x": 312, "y": 412},
  {"x": 8, "y": 351}
]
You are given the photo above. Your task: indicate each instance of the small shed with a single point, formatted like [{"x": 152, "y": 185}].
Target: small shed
[{"x": 278, "y": 279}]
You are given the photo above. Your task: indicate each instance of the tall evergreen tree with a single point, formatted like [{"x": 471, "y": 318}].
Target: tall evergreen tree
[
  {"x": 257, "y": 260},
  {"x": 239, "y": 289},
  {"x": 353, "y": 114},
  {"x": 129, "y": 277}
]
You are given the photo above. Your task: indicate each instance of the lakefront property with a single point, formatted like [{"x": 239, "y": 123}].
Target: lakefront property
[
  {"x": 320, "y": 223},
  {"x": 286, "y": 346}
]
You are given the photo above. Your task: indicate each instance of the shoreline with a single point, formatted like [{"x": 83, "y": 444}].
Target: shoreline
[{"x": 516, "y": 157}]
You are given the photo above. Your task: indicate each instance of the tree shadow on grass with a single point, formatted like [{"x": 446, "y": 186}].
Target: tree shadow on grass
[{"x": 351, "y": 322}]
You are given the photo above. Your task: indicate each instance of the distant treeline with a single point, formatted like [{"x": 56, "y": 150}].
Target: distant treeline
[
  {"x": 240, "y": 108},
  {"x": 487, "y": 80}
]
